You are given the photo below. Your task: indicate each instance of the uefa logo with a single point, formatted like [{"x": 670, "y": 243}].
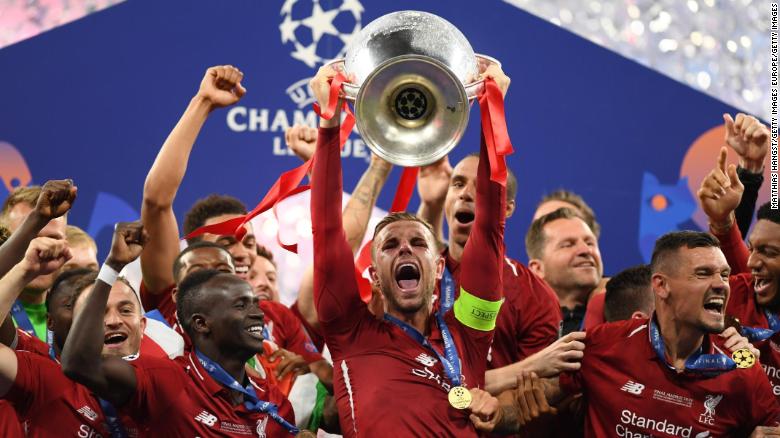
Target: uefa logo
[{"x": 317, "y": 35}]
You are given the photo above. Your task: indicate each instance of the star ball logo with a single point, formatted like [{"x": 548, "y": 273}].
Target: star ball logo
[{"x": 316, "y": 34}]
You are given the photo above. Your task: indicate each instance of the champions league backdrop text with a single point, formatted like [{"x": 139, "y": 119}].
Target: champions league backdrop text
[{"x": 95, "y": 100}]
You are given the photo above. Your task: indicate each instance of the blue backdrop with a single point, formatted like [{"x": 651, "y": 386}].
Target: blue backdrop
[{"x": 95, "y": 99}]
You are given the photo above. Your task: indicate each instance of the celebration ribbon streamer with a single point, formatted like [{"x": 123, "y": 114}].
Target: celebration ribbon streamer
[{"x": 288, "y": 183}]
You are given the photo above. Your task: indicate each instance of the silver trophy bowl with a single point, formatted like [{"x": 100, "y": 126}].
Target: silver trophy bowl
[{"x": 414, "y": 74}]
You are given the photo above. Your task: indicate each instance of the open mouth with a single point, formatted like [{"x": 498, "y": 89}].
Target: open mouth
[
  {"x": 242, "y": 271},
  {"x": 407, "y": 275},
  {"x": 586, "y": 264},
  {"x": 761, "y": 284},
  {"x": 255, "y": 330},
  {"x": 114, "y": 338},
  {"x": 464, "y": 217},
  {"x": 715, "y": 305}
]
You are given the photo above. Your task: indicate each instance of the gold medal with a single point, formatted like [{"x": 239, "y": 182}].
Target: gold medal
[
  {"x": 744, "y": 358},
  {"x": 459, "y": 397}
]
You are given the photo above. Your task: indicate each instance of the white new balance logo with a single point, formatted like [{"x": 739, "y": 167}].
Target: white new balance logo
[
  {"x": 87, "y": 412},
  {"x": 206, "y": 418},
  {"x": 426, "y": 360},
  {"x": 633, "y": 387}
]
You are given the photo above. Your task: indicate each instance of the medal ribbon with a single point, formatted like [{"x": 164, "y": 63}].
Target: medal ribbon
[
  {"x": 699, "y": 362},
  {"x": 252, "y": 402},
  {"x": 50, "y": 342},
  {"x": 447, "y": 292},
  {"x": 288, "y": 182},
  {"x": 755, "y": 334},
  {"x": 450, "y": 361},
  {"x": 113, "y": 423},
  {"x": 21, "y": 318}
]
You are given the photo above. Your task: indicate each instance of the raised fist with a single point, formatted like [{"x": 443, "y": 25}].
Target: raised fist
[
  {"x": 56, "y": 198},
  {"x": 750, "y": 140},
  {"x": 45, "y": 255},
  {"x": 126, "y": 245},
  {"x": 720, "y": 193},
  {"x": 302, "y": 140},
  {"x": 221, "y": 86}
]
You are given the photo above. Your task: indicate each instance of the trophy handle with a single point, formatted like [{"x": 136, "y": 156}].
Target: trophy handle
[
  {"x": 474, "y": 89},
  {"x": 349, "y": 90}
]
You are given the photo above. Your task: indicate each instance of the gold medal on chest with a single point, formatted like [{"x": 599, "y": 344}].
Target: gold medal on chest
[{"x": 459, "y": 397}]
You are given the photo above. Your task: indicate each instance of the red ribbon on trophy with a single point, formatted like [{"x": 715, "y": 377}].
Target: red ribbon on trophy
[{"x": 491, "y": 108}]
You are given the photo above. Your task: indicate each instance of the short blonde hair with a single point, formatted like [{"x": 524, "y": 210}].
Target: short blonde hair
[
  {"x": 20, "y": 195},
  {"x": 76, "y": 237}
]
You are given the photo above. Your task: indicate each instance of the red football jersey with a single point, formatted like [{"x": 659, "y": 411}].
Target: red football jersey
[
  {"x": 629, "y": 391},
  {"x": 27, "y": 342},
  {"x": 178, "y": 398},
  {"x": 529, "y": 319},
  {"x": 594, "y": 314},
  {"x": 770, "y": 361},
  {"x": 742, "y": 305},
  {"x": 386, "y": 383},
  {"x": 53, "y": 405},
  {"x": 315, "y": 334}
]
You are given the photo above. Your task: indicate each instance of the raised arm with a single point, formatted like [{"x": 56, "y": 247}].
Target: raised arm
[
  {"x": 110, "y": 378},
  {"x": 483, "y": 255},
  {"x": 432, "y": 183},
  {"x": 335, "y": 288},
  {"x": 357, "y": 212},
  {"x": 749, "y": 138},
  {"x": 355, "y": 216},
  {"x": 221, "y": 86},
  {"x": 44, "y": 256},
  {"x": 719, "y": 195},
  {"x": 56, "y": 199}
]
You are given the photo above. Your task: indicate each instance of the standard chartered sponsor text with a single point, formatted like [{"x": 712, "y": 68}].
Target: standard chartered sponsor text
[{"x": 636, "y": 426}]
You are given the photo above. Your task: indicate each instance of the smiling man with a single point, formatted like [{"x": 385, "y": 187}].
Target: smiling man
[
  {"x": 564, "y": 251},
  {"x": 220, "y": 87},
  {"x": 668, "y": 376},
  {"x": 46, "y": 401},
  {"x": 755, "y": 285},
  {"x": 209, "y": 387},
  {"x": 755, "y": 299}
]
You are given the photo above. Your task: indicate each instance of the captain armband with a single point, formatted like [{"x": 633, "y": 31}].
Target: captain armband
[{"x": 476, "y": 313}]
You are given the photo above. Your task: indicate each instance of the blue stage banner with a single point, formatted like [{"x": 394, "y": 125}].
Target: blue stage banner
[{"x": 95, "y": 99}]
